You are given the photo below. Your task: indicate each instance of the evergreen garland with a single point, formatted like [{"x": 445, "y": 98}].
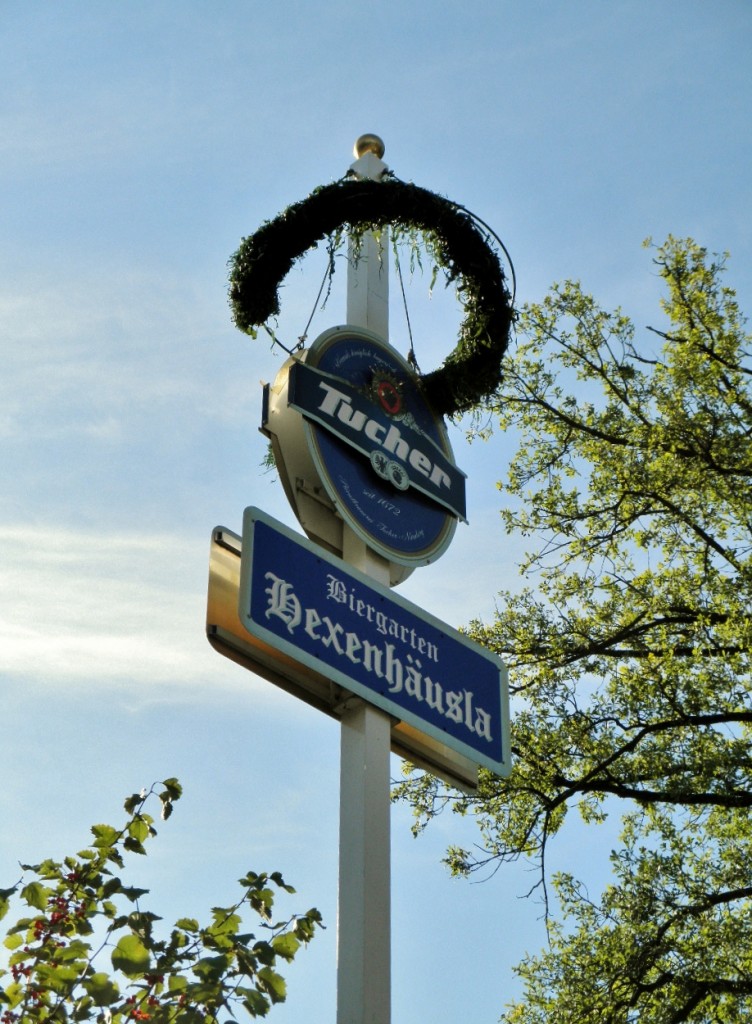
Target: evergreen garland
[{"x": 473, "y": 369}]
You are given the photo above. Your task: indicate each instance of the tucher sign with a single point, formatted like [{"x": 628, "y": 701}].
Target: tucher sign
[
  {"x": 396, "y": 451},
  {"x": 339, "y": 623},
  {"x": 377, "y": 450}
]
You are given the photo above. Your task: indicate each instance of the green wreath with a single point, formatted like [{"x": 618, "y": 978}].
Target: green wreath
[{"x": 473, "y": 369}]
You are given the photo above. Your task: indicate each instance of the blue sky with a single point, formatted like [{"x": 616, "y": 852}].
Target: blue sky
[{"x": 138, "y": 143}]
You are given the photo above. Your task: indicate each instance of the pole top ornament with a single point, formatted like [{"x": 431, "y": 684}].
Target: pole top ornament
[
  {"x": 462, "y": 246},
  {"x": 369, "y": 143}
]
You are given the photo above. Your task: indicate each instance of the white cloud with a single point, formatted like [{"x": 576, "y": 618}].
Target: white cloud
[
  {"x": 86, "y": 609},
  {"x": 84, "y": 352}
]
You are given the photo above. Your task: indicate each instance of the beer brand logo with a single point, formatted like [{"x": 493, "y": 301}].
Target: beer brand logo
[
  {"x": 400, "y": 454},
  {"x": 388, "y": 393}
]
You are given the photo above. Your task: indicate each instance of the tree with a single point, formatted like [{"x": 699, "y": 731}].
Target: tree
[
  {"x": 79, "y": 911},
  {"x": 629, "y": 650}
]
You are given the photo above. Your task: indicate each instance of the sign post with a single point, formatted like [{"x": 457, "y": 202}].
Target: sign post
[
  {"x": 366, "y": 464},
  {"x": 364, "y": 908}
]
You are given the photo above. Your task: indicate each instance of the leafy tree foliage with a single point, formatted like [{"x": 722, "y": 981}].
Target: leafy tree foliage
[
  {"x": 79, "y": 914},
  {"x": 629, "y": 651}
]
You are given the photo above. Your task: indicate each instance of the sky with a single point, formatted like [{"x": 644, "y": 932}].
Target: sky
[{"x": 139, "y": 143}]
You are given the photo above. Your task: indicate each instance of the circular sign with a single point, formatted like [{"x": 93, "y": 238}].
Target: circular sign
[{"x": 381, "y": 453}]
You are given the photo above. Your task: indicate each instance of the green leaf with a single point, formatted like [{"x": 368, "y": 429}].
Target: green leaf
[
  {"x": 75, "y": 950},
  {"x": 305, "y": 926},
  {"x": 133, "y": 845},
  {"x": 36, "y": 895},
  {"x": 131, "y": 956},
  {"x": 5, "y": 895},
  {"x": 188, "y": 924},
  {"x": 132, "y": 802},
  {"x": 22, "y": 925},
  {"x": 138, "y": 829},
  {"x": 141, "y": 920},
  {"x": 133, "y": 894},
  {"x": 264, "y": 952},
  {"x": 247, "y": 962},
  {"x": 277, "y": 878},
  {"x": 255, "y": 1002},
  {"x": 13, "y": 994},
  {"x": 14, "y": 941},
  {"x": 102, "y": 989},
  {"x": 274, "y": 984},
  {"x": 286, "y": 945},
  {"x": 211, "y": 968},
  {"x": 104, "y": 836},
  {"x": 225, "y": 921},
  {"x": 58, "y": 979},
  {"x": 50, "y": 869},
  {"x": 111, "y": 886},
  {"x": 173, "y": 788}
]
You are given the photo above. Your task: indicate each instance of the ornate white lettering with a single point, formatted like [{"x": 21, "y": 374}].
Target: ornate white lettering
[
  {"x": 434, "y": 695},
  {"x": 401, "y": 670},
  {"x": 332, "y": 639},
  {"x": 282, "y": 602},
  {"x": 393, "y": 670},
  {"x": 372, "y": 658},
  {"x": 483, "y": 724},
  {"x": 337, "y": 404},
  {"x": 454, "y": 706},
  {"x": 469, "y": 710},
  {"x": 312, "y": 620},
  {"x": 336, "y": 589},
  {"x": 352, "y": 646},
  {"x": 413, "y": 678},
  {"x": 332, "y": 399}
]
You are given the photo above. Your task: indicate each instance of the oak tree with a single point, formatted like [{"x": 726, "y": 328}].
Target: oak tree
[{"x": 629, "y": 650}]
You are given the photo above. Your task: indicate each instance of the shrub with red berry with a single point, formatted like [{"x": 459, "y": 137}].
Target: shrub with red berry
[{"x": 85, "y": 948}]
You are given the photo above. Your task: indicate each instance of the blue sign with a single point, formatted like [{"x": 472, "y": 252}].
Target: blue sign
[
  {"x": 397, "y": 452},
  {"x": 340, "y": 624},
  {"x": 382, "y": 453}
]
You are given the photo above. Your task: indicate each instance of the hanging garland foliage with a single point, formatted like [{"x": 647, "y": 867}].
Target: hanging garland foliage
[{"x": 464, "y": 253}]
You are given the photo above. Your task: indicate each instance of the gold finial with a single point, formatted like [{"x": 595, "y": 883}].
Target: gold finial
[{"x": 369, "y": 143}]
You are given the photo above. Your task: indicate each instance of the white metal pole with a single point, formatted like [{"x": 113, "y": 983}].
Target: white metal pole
[
  {"x": 364, "y": 913},
  {"x": 368, "y": 267}
]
